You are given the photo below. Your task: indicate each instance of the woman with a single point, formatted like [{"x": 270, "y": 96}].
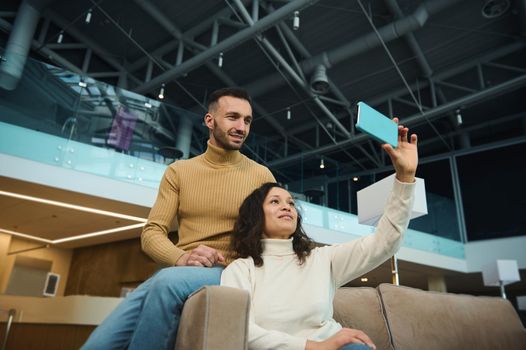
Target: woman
[{"x": 291, "y": 283}]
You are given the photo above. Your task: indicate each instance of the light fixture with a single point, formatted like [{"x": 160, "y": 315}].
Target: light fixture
[
  {"x": 60, "y": 37},
  {"x": 296, "y": 20},
  {"x": 220, "y": 60},
  {"x": 319, "y": 82},
  {"x": 71, "y": 206},
  {"x": 459, "y": 117},
  {"x": 147, "y": 105},
  {"x": 355, "y": 178},
  {"x": 141, "y": 221},
  {"x": 289, "y": 113},
  {"x": 364, "y": 279},
  {"x": 88, "y": 16},
  {"x": 82, "y": 84},
  {"x": 161, "y": 92},
  {"x": 322, "y": 163},
  {"x": 500, "y": 273}
]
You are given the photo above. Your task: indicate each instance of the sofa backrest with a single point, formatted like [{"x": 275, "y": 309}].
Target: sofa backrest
[
  {"x": 360, "y": 308},
  {"x": 419, "y": 319}
]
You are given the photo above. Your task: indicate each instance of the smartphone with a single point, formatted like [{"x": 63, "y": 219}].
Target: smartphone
[{"x": 377, "y": 125}]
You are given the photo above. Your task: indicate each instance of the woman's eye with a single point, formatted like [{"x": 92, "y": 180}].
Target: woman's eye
[{"x": 292, "y": 204}]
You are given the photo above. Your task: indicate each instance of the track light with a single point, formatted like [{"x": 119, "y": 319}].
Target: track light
[
  {"x": 322, "y": 163},
  {"x": 289, "y": 113},
  {"x": 161, "y": 92},
  {"x": 459, "y": 117},
  {"x": 220, "y": 60},
  {"x": 319, "y": 82},
  {"x": 296, "y": 20},
  {"x": 88, "y": 16},
  {"x": 60, "y": 37}
]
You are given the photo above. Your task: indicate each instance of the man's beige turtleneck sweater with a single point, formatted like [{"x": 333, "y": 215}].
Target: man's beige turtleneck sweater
[{"x": 204, "y": 193}]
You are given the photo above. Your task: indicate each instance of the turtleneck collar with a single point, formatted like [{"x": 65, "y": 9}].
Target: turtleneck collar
[
  {"x": 219, "y": 156},
  {"x": 277, "y": 247}
]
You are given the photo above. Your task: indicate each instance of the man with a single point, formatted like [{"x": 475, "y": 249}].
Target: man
[{"x": 204, "y": 194}]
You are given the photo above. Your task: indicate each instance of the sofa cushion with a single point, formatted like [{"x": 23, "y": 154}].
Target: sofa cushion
[
  {"x": 214, "y": 318},
  {"x": 431, "y": 320},
  {"x": 360, "y": 308}
]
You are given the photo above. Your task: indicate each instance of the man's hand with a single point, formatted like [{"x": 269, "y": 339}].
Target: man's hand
[
  {"x": 201, "y": 256},
  {"x": 343, "y": 337},
  {"x": 405, "y": 155}
]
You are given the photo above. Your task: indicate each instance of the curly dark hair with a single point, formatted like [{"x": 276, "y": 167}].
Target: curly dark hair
[{"x": 248, "y": 229}]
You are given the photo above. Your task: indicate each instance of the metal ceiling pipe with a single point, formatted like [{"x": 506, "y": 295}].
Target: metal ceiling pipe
[
  {"x": 272, "y": 50},
  {"x": 14, "y": 58},
  {"x": 51, "y": 55},
  {"x": 369, "y": 41},
  {"x": 411, "y": 40},
  {"x": 225, "y": 45},
  {"x": 431, "y": 114}
]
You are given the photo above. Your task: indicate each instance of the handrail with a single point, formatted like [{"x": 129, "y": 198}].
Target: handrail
[{"x": 10, "y": 317}]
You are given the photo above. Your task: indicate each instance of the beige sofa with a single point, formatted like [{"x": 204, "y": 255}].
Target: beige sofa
[{"x": 395, "y": 317}]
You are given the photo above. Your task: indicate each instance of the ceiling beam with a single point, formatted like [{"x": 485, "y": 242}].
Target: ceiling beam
[
  {"x": 492, "y": 92},
  {"x": 225, "y": 45}
]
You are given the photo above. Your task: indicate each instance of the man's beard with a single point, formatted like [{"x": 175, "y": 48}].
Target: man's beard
[{"x": 221, "y": 138}]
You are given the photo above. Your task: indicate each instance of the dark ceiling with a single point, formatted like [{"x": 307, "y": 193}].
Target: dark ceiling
[{"x": 457, "y": 57}]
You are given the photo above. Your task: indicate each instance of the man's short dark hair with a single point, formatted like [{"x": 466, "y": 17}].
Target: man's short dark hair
[{"x": 228, "y": 91}]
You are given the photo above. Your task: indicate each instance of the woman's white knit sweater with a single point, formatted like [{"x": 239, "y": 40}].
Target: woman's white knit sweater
[{"x": 291, "y": 303}]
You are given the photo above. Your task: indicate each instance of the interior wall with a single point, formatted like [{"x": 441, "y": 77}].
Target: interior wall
[
  {"x": 60, "y": 259},
  {"x": 5, "y": 241},
  {"x": 103, "y": 270}
]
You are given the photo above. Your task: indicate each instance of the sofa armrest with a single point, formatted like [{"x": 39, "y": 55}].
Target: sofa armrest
[{"x": 214, "y": 317}]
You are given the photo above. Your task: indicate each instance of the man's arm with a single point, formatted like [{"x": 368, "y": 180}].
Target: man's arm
[{"x": 154, "y": 237}]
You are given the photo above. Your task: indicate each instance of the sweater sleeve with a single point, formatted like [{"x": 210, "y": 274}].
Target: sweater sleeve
[
  {"x": 269, "y": 177},
  {"x": 154, "y": 237},
  {"x": 352, "y": 259},
  {"x": 237, "y": 275}
]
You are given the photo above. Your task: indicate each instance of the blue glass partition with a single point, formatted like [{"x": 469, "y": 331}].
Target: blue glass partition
[{"x": 64, "y": 120}]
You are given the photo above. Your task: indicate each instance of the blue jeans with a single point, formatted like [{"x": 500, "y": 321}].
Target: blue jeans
[
  {"x": 148, "y": 318},
  {"x": 355, "y": 347}
]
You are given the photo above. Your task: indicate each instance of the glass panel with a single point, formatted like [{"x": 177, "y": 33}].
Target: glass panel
[
  {"x": 76, "y": 122},
  {"x": 442, "y": 219},
  {"x": 494, "y": 192}
]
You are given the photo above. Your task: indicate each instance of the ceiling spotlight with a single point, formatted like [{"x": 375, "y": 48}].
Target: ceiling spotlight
[
  {"x": 289, "y": 113},
  {"x": 220, "y": 60},
  {"x": 161, "y": 92},
  {"x": 364, "y": 279},
  {"x": 88, "y": 16},
  {"x": 147, "y": 105},
  {"x": 322, "y": 164},
  {"x": 319, "y": 82},
  {"x": 60, "y": 37},
  {"x": 495, "y": 8},
  {"x": 355, "y": 178},
  {"x": 459, "y": 117},
  {"x": 296, "y": 20},
  {"x": 82, "y": 84}
]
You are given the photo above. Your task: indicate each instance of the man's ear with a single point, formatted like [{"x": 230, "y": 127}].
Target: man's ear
[{"x": 209, "y": 121}]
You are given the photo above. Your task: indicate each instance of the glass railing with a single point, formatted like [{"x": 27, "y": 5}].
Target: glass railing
[
  {"x": 62, "y": 119},
  {"x": 347, "y": 224}
]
